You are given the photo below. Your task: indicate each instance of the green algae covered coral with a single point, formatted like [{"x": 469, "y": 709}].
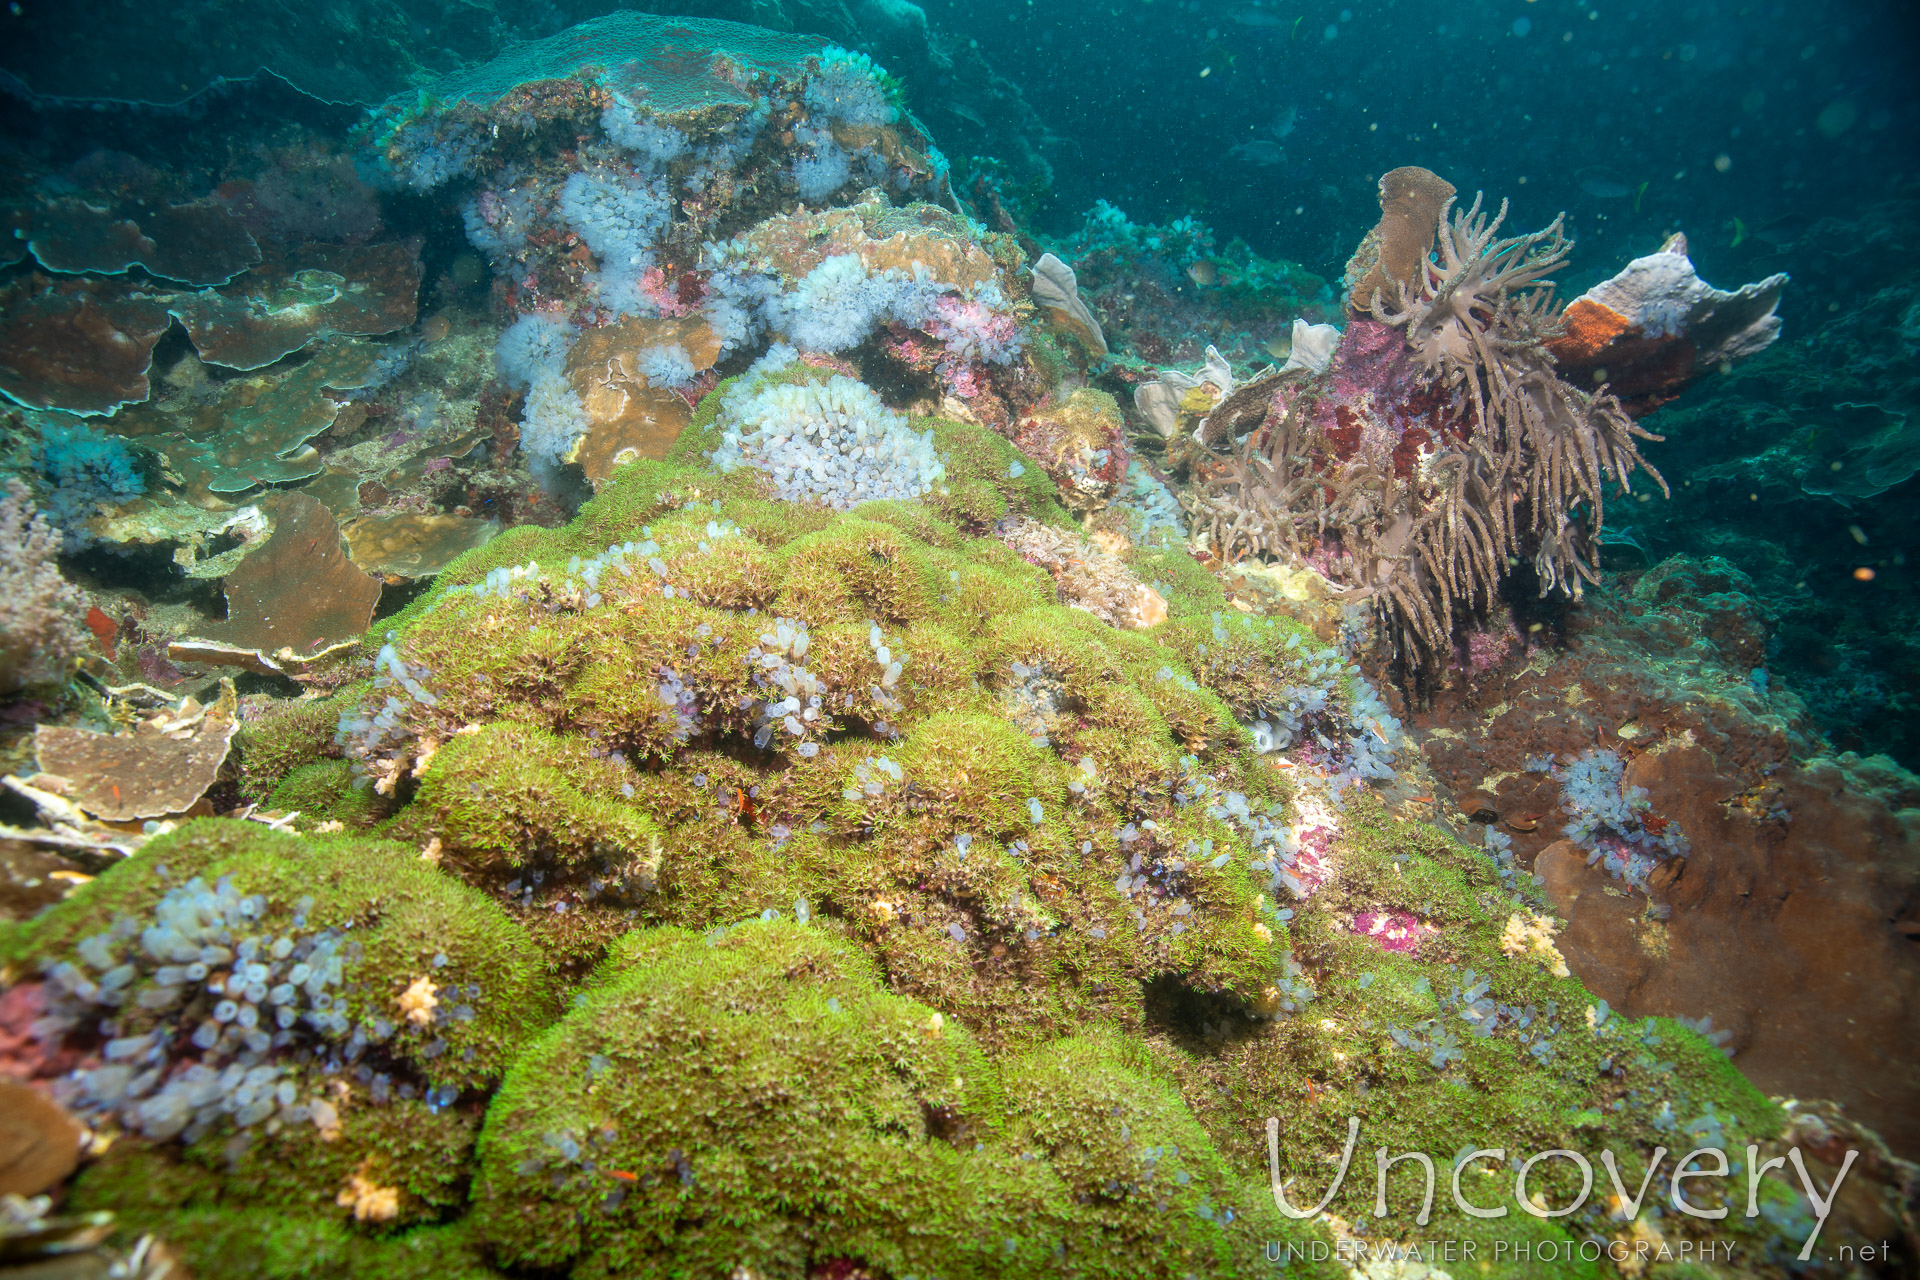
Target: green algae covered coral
[
  {"x": 912, "y": 922},
  {"x": 755, "y": 1098},
  {"x": 290, "y": 1012}
]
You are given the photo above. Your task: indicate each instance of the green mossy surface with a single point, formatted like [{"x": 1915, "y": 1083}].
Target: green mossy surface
[
  {"x": 756, "y": 1098},
  {"x": 290, "y": 735},
  {"x": 903, "y": 999},
  {"x": 256, "y": 1244},
  {"x": 323, "y": 791},
  {"x": 425, "y": 1155},
  {"x": 399, "y": 909}
]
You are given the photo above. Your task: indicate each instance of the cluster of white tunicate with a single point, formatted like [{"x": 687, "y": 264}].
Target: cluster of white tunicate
[
  {"x": 740, "y": 281},
  {"x": 890, "y": 667},
  {"x": 584, "y": 580},
  {"x": 652, "y": 143},
  {"x": 1151, "y": 510},
  {"x": 498, "y": 221},
  {"x": 838, "y": 303},
  {"x": 800, "y": 708},
  {"x": 1286, "y": 719},
  {"x": 251, "y": 993},
  {"x": 1361, "y": 744},
  {"x": 620, "y": 216},
  {"x": 1374, "y": 732},
  {"x": 821, "y": 166},
  {"x": 830, "y": 441},
  {"x": 871, "y": 777},
  {"x": 365, "y": 735},
  {"x": 1083, "y": 787},
  {"x": 848, "y": 88},
  {"x": 428, "y": 153},
  {"x": 532, "y": 353},
  {"x": 683, "y": 707},
  {"x": 503, "y": 583},
  {"x": 667, "y": 365}
]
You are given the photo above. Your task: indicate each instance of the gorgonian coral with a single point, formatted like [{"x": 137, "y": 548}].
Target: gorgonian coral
[{"x": 1439, "y": 445}]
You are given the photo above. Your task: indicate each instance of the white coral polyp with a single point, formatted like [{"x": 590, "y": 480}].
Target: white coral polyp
[{"x": 832, "y": 442}]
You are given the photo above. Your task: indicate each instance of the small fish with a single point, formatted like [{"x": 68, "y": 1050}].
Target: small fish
[
  {"x": 1603, "y": 185},
  {"x": 1261, "y": 151},
  {"x": 1739, "y": 233},
  {"x": 1637, "y": 193},
  {"x": 1279, "y": 348},
  {"x": 1203, "y": 273},
  {"x": 1782, "y": 232}
]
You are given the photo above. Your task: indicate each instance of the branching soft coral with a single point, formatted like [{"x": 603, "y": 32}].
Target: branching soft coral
[
  {"x": 1439, "y": 445},
  {"x": 1479, "y": 320},
  {"x": 40, "y": 611}
]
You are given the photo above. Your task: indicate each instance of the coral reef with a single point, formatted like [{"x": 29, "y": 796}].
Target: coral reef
[
  {"x": 913, "y": 1152},
  {"x": 775, "y": 788},
  {"x": 1161, "y": 294},
  {"x": 1644, "y": 768}
]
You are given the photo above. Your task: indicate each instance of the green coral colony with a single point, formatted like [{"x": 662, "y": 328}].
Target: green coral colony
[
  {"x": 721, "y": 884},
  {"x": 748, "y": 879}
]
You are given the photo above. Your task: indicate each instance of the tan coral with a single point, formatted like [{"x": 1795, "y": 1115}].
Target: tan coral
[
  {"x": 1527, "y": 935},
  {"x": 628, "y": 418},
  {"x": 418, "y": 1001},
  {"x": 369, "y": 1201},
  {"x": 162, "y": 768},
  {"x": 1087, "y": 577},
  {"x": 1081, "y": 444},
  {"x": 882, "y": 237}
]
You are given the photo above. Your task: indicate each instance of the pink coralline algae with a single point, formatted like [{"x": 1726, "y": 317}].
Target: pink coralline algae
[
  {"x": 664, "y": 294},
  {"x": 1487, "y": 647},
  {"x": 1397, "y": 931}
]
